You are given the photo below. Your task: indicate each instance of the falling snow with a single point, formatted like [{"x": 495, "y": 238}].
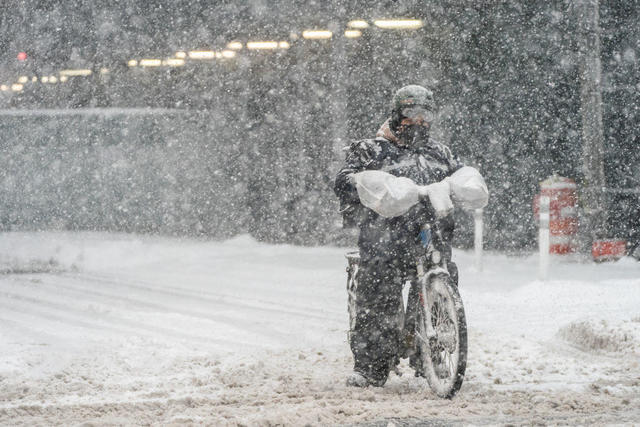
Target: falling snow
[{"x": 171, "y": 249}]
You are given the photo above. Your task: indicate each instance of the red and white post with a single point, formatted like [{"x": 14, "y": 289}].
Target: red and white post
[{"x": 543, "y": 237}]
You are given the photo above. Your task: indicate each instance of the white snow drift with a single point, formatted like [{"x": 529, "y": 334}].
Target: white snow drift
[{"x": 123, "y": 329}]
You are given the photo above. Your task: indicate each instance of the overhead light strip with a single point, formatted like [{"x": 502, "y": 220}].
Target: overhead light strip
[
  {"x": 150, "y": 62},
  {"x": 173, "y": 62},
  {"x": 398, "y": 24},
  {"x": 262, "y": 45},
  {"x": 202, "y": 54},
  {"x": 317, "y": 34},
  {"x": 358, "y": 23},
  {"x": 74, "y": 73}
]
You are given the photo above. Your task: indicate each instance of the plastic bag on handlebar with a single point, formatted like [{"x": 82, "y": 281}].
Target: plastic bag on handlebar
[
  {"x": 468, "y": 188},
  {"x": 387, "y": 195},
  {"x": 439, "y": 195}
]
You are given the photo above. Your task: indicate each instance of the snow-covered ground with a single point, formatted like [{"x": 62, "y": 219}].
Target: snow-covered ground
[{"x": 123, "y": 329}]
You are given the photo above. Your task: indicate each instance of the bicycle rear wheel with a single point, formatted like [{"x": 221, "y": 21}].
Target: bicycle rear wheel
[{"x": 442, "y": 349}]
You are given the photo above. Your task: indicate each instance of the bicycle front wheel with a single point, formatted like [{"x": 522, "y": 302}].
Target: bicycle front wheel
[{"x": 442, "y": 349}]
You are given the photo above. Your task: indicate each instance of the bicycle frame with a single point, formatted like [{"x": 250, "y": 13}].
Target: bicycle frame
[{"x": 429, "y": 263}]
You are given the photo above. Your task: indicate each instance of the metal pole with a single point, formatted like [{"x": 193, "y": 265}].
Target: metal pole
[
  {"x": 477, "y": 241},
  {"x": 543, "y": 237},
  {"x": 338, "y": 89},
  {"x": 592, "y": 128}
]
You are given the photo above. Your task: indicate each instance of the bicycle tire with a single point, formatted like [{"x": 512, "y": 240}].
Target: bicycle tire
[{"x": 443, "y": 373}]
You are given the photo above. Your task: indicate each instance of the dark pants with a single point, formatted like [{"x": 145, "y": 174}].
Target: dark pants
[
  {"x": 386, "y": 263},
  {"x": 375, "y": 339}
]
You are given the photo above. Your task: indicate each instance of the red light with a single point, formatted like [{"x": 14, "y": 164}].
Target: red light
[{"x": 22, "y": 56}]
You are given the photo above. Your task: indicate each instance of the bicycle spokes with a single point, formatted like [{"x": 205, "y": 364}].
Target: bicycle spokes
[
  {"x": 443, "y": 325},
  {"x": 442, "y": 336}
]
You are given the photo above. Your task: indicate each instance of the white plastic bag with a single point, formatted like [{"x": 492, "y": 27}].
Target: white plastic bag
[
  {"x": 468, "y": 188},
  {"x": 386, "y": 194},
  {"x": 439, "y": 196}
]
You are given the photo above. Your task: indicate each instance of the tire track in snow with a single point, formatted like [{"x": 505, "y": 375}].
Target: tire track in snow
[
  {"x": 238, "y": 321},
  {"x": 36, "y": 309},
  {"x": 199, "y": 295},
  {"x": 272, "y": 330}
]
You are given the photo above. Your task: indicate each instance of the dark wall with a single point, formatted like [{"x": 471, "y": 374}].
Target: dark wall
[{"x": 153, "y": 171}]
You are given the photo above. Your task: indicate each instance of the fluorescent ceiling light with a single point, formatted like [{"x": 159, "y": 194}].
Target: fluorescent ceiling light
[
  {"x": 64, "y": 78},
  {"x": 235, "y": 45},
  {"x": 34, "y": 79},
  {"x": 181, "y": 54},
  {"x": 398, "y": 24},
  {"x": 352, "y": 34},
  {"x": 104, "y": 70},
  {"x": 132, "y": 63},
  {"x": 358, "y": 23},
  {"x": 75, "y": 73},
  {"x": 150, "y": 62},
  {"x": 317, "y": 34},
  {"x": 45, "y": 79},
  {"x": 262, "y": 45},
  {"x": 4, "y": 88},
  {"x": 23, "y": 79},
  {"x": 228, "y": 53},
  {"x": 53, "y": 79},
  {"x": 284, "y": 45},
  {"x": 202, "y": 54},
  {"x": 173, "y": 62},
  {"x": 17, "y": 87}
]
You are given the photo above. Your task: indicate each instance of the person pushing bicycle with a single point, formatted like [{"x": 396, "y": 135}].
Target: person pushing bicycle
[{"x": 388, "y": 224}]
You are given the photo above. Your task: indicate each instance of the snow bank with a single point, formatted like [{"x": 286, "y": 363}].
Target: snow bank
[{"x": 591, "y": 335}]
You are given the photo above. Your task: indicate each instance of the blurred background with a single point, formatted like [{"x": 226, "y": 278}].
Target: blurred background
[{"x": 191, "y": 117}]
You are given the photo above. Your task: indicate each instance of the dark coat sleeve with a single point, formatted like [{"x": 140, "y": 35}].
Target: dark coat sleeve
[
  {"x": 454, "y": 161},
  {"x": 358, "y": 158}
]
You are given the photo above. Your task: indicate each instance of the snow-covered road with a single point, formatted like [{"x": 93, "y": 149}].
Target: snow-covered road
[{"x": 122, "y": 329}]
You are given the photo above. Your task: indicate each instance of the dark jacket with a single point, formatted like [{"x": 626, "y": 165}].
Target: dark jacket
[{"x": 425, "y": 165}]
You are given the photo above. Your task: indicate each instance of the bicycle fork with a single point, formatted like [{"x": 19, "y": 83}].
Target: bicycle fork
[{"x": 422, "y": 295}]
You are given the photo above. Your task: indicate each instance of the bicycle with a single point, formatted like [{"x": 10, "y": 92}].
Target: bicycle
[{"x": 434, "y": 327}]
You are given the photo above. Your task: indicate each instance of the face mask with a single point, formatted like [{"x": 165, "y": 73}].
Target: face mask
[{"x": 413, "y": 135}]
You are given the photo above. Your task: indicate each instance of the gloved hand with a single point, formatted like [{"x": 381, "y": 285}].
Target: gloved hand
[
  {"x": 386, "y": 194},
  {"x": 468, "y": 188},
  {"x": 439, "y": 194}
]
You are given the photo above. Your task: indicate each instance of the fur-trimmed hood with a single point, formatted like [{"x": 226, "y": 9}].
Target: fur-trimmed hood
[{"x": 386, "y": 132}]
